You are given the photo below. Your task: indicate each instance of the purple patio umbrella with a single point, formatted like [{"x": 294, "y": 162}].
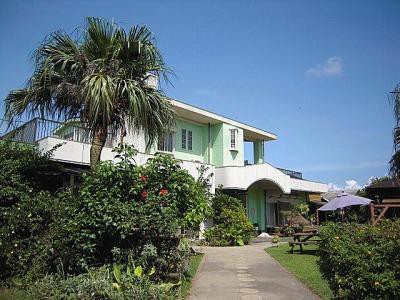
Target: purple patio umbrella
[{"x": 344, "y": 200}]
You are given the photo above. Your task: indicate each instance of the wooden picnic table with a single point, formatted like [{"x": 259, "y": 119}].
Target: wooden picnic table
[{"x": 303, "y": 238}]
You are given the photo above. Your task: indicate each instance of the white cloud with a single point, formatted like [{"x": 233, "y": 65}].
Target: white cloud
[
  {"x": 350, "y": 184},
  {"x": 331, "y": 67},
  {"x": 333, "y": 187}
]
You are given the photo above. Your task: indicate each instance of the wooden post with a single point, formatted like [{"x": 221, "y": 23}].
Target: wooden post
[
  {"x": 372, "y": 211},
  {"x": 317, "y": 217},
  {"x": 385, "y": 209}
]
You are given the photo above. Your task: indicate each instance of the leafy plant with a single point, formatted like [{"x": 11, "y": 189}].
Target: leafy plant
[
  {"x": 123, "y": 210},
  {"x": 232, "y": 228},
  {"x": 121, "y": 213},
  {"x": 361, "y": 261},
  {"x": 394, "y": 162},
  {"x": 26, "y": 209},
  {"x": 275, "y": 239}
]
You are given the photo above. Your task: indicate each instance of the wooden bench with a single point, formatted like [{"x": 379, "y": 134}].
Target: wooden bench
[{"x": 300, "y": 244}]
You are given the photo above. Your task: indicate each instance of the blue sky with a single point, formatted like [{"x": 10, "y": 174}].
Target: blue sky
[{"x": 316, "y": 73}]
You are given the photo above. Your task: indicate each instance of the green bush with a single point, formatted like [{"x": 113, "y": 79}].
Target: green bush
[
  {"x": 123, "y": 210},
  {"x": 362, "y": 261},
  {"x": 26, "y": 211},
  {"x": 231, "y": 226},
  {"x": 24, "y": 235},
  {"x": 102, "y": 283}
]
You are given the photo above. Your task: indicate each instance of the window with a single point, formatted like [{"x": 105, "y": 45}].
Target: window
[
  {"x": 187, "y": 139},
  {"x": 183, "y": 138},
  {"x": 166, "y": 144},
  {"x": 234, "y": 134}
]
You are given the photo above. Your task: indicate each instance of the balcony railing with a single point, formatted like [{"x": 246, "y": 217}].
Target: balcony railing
[
  {"x": 38, "y": 128},
  {"x": 292, "y": 174}
]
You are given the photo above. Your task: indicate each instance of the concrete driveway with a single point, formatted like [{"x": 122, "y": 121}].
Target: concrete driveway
[{"x": 244, "y": 273}]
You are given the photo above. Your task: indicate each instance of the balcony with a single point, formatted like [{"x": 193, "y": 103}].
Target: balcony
[
  {"x": 75, "y": 140},
  {"x": 38, "y": 129},
  {"x": 242, "y": 177}
]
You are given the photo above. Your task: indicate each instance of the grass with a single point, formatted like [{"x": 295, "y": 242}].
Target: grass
[
  {"x": 193, "y": 266},
  {"x": 303, "y": 266}
]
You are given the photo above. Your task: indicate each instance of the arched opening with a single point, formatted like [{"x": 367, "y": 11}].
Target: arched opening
[{"x": 266, "y": 202}]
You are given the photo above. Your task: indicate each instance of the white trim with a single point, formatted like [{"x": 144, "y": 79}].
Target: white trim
[{"x": 213, "y": 118}]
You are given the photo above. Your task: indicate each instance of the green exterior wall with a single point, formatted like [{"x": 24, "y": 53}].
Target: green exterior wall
[
  {"x": 232, "y": 157},
  {"x": 217, "y": 157},
  {"x": 210, "y": 144},
  {"x": 256, "y": 207},
  {"x": 199, "y": 141}
]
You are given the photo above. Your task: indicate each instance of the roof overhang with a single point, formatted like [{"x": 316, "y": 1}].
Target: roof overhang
[{"x": 198, "y": 115}]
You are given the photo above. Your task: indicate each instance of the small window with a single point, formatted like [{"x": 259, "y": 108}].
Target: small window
[
  {"x": 234, "y": 133},
  {"x": 166, "y": 144},
  {"x": 187, "y": 139},
  {"x": 190, "y": 143},
  {"x": 183, "y": 138}
]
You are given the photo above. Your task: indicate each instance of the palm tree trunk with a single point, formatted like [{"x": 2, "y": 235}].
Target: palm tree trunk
[{"x": 98, "y": 142}]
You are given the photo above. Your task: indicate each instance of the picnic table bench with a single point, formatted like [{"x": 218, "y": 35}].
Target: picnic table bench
[{"x": 303, "y": 238}]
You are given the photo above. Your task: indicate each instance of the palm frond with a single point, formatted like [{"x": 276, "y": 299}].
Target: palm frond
[
  {"x": 99, "y": 77},
  {"x": 394, "y": 163}
]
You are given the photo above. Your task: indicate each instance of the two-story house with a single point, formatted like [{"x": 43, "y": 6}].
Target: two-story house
[{"x": 200, "y": 138}]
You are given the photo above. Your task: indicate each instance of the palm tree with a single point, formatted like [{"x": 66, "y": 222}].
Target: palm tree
[
  {"x": 99, "y": 77},
  {"x": 395, "y": 160}
]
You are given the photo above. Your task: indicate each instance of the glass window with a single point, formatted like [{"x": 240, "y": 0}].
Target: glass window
[
  {"x": 187, "y": 139},
  {"x": 234, "y": 133},
  {"x": 190, "y": 143},
  {"x": 166, "y": 144},
  {"x": 183, "y": 138}
]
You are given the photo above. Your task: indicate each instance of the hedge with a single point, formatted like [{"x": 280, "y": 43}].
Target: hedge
[{"x": 362, "y": 261}]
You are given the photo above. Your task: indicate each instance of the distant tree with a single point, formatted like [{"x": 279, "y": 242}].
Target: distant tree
[
  {"x": 395, "y": 160},
  {"x": 101, "y": 78}
]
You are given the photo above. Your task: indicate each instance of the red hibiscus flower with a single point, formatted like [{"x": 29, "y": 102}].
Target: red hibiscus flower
[
  {"x": 143, "y": 178},
  {"x": 163, "y": 192},
  {"x": 144, "y": 194}
]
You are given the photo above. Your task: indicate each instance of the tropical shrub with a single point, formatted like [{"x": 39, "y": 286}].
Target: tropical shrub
[
  {"x": 362, "y": 261},
  {"x": 123, "y": 210},
  {"x": 23, "y": 246},
  {"x": 25, "y": 211},
  {"x": 103, "y": 283},
  {"x": 231, "y": 226}
]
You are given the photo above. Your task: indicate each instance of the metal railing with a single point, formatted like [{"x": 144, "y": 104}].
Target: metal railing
[
  {"x": 38, "y": 128},
  {"x": 292, "y": 174}
]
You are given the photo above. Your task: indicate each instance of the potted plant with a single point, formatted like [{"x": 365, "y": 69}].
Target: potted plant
[{"x": 275, "y": 240}]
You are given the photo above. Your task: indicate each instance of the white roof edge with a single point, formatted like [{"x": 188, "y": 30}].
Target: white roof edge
[{"x": 206, "y": 113}]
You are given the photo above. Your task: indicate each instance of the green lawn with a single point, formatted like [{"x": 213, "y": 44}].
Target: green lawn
[
  {"x": 303, "y": 266},
  {"x": 193, "y": 266}
]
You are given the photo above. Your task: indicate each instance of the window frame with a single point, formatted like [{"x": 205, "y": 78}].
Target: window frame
[
  {"x": 184, "y": 138},
  {"x": 234, "y": 133},
  {"x": 165, "y": 143},
  {"x": 187, "y": 139}
]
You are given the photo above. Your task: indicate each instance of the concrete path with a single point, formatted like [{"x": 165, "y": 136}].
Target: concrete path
[{"x": 244, "y": 273}]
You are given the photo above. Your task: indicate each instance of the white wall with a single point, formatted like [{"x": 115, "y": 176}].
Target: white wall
[
  {"x": 79, "y": 153},
  {"x": 243, "y": 177}
]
